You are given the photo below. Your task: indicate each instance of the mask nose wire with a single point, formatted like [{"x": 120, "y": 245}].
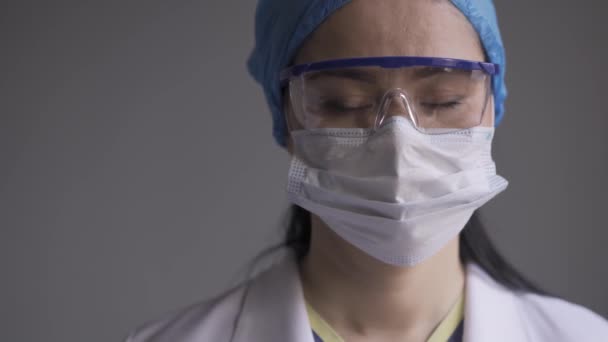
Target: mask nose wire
[{"x": 394, "y": 103}]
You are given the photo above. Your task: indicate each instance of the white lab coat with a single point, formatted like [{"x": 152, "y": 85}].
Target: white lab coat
[{"x": 271, "y": 308}]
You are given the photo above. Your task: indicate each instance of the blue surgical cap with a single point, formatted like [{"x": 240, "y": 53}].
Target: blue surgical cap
[{"x": 281, "y": 26}]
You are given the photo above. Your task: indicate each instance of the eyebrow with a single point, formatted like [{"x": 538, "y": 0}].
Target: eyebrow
[
  {"x": 369, "y": 77},
  {"x": 357, "y": 75},
  {"x": 428, "y": 72}
]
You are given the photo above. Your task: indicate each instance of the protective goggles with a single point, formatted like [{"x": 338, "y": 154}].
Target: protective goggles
[{"x": 437, "y": 94}]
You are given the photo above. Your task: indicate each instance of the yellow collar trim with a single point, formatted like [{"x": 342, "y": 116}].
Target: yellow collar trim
[
  {"x": 446, "y": 328},
  {"x": 320, "y": 327},
  {"x": 442, "y": 333}
]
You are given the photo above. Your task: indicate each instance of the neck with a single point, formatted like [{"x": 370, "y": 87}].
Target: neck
[{"x": 361, "y": 297}]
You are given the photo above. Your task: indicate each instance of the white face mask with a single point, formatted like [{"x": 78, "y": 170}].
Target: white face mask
[{"x": 395, "y": 193}]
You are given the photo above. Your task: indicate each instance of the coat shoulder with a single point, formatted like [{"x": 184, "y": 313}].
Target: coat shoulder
[
  {"x": 558, "y": 320},
  {"x": 209, "y": 320},
  {"x": 533, "y": 317}
]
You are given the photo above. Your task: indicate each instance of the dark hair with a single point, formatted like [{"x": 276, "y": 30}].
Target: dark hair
[{"x": 475, "y": 246}]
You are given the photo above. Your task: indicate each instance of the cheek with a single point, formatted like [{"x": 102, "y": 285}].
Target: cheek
[
  {"x": 488, "y": 116},
  {"x": 289, "y": 145},
  {"x": 289, "y": 120}
]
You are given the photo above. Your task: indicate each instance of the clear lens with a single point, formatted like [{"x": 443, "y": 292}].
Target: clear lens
[{"x": 435, "y": 99}]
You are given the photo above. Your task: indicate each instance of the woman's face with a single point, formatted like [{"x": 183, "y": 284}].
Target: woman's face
[{"x": 363, "y": 28}]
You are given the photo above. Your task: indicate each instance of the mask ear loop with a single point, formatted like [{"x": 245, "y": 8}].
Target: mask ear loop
[{"x": 385, "y": 104}]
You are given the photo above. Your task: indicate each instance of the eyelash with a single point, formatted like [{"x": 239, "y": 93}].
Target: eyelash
[
  {"x": 341, "y": 108},
  {"x": 442, "y": 105},
  {"x": 338, "y": 107}
]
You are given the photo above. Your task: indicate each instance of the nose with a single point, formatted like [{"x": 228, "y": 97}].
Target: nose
[{"x": 394, "y": 103}]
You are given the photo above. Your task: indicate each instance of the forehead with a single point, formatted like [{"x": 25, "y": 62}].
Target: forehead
[{"x": 364, "y": 28}]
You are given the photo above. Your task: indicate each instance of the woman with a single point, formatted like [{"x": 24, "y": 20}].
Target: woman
[{"x": 388, "y": 110}]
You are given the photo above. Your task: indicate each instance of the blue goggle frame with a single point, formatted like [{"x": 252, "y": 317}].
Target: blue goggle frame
[{"x": 389, "y": 62}]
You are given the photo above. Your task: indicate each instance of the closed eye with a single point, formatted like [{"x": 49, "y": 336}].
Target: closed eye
[
  {"x": 336, "y": 106},
  {"x": 441, "y": 105}
]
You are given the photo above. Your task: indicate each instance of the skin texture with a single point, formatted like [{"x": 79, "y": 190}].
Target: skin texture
[{"x": 362, "y": 298}]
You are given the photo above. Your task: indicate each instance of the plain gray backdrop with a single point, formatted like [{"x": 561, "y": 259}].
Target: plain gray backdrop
[{"x": 138, "y": 172}]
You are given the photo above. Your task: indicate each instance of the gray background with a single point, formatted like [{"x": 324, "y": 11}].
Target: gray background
[{"x": 138, "y": 173}]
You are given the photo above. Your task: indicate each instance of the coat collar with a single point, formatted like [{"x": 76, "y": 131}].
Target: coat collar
[
  {"x": 273, "y": 308},
  {"x": 491, "y": 312}
]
